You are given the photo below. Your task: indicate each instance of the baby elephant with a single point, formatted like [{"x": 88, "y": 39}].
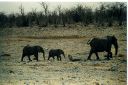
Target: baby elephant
[
  {"x": 57, "y": 53},
  {"x": 32, "y": 50}
]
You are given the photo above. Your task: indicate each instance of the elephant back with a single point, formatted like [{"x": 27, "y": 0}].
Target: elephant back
[
  {"x": 99, "y": 44},
  {"x": 27, "y": 50}
]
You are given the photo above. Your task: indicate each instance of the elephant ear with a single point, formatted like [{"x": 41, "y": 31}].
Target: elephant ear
[
  {"x": 113, "y": 36},
  {"x": 28, "y": 45},
  {"x": 109, "y": 38}
]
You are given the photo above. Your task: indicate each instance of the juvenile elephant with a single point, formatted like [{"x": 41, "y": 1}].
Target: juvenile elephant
[
  {"x": 103, "y": 44},
  {"x": 32, "y": 50},
  {"x": 57, "y": 53}
]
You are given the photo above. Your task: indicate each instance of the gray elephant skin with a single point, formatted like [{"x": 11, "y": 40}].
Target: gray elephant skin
[
  {"x": 57, "y": 53},
  {"x": 101, "y": 45},
  {"x": 32, "y": 50}
]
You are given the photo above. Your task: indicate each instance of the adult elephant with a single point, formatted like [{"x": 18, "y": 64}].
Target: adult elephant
[
  {"x": 103, "y": 44},
  {"x": 32, "y": 50},
  {"x": 57, "y": 53}
]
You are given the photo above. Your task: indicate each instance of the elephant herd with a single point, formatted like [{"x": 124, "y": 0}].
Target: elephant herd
[{"x": 96, "y": 44}]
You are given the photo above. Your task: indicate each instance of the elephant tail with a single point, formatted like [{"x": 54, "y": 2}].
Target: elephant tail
[
  {"x": 89, "y": 41},
  {"x": 22, "y": 56}
]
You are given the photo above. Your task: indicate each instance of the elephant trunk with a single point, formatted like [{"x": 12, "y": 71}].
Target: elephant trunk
[
  {"x": 116, "y": 51},
  {"x": 88, "y": 42},
  {"x": 43, "y": 54},
  {"x": 116, "y": 48},
  {"x": 64, "y": 55}
]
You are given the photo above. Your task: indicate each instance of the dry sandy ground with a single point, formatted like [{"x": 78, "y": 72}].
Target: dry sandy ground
[{"x": 72, "y": 41}]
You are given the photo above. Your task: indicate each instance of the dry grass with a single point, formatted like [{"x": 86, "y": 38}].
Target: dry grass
[{"x": 72, "y": 41}]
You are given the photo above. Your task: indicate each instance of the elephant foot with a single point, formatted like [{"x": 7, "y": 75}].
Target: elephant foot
[
  {"x": 107, "y": 59},
  {"x": 30, "y": 60},
  {"x": 110, "y": 56},
  {"x": 105, "y": 56},
  {"x": 99, "y": 59},
  {"x": 34, "y": 58}
]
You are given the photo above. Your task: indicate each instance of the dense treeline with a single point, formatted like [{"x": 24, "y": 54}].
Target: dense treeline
[{"x": 104, "y": 15}]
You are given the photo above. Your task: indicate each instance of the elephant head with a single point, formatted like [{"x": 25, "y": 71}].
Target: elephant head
[
  {"x": 64, "y": 55},
  {"x": 40, "y": 49},
  {"x": 114, "y": 42},
  {"x": 61, "y": 52}
]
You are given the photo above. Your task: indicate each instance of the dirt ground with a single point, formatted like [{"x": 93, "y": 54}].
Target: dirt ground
[{"x": 72, "y": 41}]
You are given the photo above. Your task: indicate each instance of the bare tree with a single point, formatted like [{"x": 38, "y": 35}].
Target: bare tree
[
  {"x": 59, "y": 9},
  {"x": 45, "y": 7},
  {"x": 54, "y": 15},
  {"x": 107, "y": 14},
  {"x": 22, "y": 19},
  {"x": 21, "y": 10}
]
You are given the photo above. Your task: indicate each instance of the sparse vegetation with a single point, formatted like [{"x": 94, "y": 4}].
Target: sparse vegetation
[
  {"x": 55, "y": 72},
  {"x": 107, "y": 14}
]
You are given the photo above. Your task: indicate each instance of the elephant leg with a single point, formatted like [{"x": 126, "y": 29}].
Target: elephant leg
[
  {"x": 29, "y": 58},
  {"x": 48, "y": 57},
  {"x": 36, "y": 56},
  {"x": 110, "y": 54},
  {"x": 22, "y": 57},
  {"x": 97, "y": 56},
  {"x": 53, "y": 58},
  {"x": 89, "y": 57},
  {"x": 58, "y": 58}
]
